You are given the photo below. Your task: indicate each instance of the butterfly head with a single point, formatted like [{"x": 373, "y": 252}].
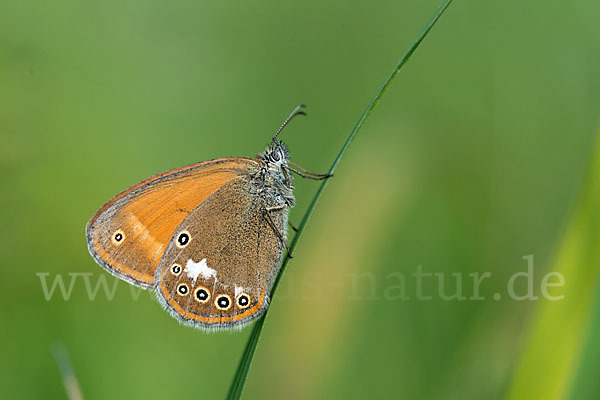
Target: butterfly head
[{"x": 276, "y": 155}]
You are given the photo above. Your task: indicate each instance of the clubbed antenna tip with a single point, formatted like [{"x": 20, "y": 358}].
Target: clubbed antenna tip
[{"x": 297, "y": 111}]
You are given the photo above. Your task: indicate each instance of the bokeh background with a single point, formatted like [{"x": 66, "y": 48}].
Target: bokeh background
[{"x": 484, "y": 151}]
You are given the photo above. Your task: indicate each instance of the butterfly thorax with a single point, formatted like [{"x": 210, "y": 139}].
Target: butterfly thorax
[{"x": 273, "y": 182}]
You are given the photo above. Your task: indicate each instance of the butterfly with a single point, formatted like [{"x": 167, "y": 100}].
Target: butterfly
[{"x": 207, "y": 238}]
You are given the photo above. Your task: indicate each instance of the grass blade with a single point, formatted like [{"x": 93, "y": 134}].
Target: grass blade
[
  {"x": 59, "y": 351},
  {"x": 237, "y": 385},
  {"x": 555, "y": 346}
]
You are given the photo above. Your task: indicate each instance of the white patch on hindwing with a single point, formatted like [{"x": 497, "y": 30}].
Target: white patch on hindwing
[
  {"x": 194, "y": 269},
  {"x": 238, "y": 290}
]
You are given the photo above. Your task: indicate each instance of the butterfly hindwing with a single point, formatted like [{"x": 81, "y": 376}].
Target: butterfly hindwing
[
  {"x": 130, "y": 233},
  {"x": 217, "y": 270}
]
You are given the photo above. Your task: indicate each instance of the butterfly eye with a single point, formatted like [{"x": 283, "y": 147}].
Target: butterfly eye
[
  {"x": 117, "y": 237},
  {"x": 243, "y": 300},
  {"x": 223, "y": 302},
  {"x": 275, "y": 156},
  {"x": 183, "y": 239},
  {"x": 202, "y": 295},
  {"x": 183, "y": 289},
  {"x": 175, "y": 269}
]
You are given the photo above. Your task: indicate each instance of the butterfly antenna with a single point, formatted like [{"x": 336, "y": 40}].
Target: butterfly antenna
[{"x": 297, "y": 111}]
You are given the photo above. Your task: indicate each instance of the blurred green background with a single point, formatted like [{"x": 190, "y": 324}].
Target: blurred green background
[{"x": 483, "y": 152}]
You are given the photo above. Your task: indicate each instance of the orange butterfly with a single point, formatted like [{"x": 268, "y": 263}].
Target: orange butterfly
[{"x": 208, "y": 238}]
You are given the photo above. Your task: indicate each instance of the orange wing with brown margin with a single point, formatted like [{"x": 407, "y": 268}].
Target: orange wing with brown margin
[{"x": 129, "y": 234}]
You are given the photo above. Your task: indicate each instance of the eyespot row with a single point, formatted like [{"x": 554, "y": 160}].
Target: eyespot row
[
  {"x": 222, "y": 301},
  {"x": 201, "y": 294}
]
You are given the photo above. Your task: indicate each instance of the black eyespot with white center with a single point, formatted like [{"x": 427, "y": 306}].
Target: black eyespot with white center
[
  {"x": 202, "y": 294},
  {"x": 183, "y": 289},
  {"x": 243, "y": 300},
  {"x": 223, "y": 302},
  {"x": 176, "y": 269},
  {"x": 183, "y": 239},
  {"x": 118, "y": 237}
]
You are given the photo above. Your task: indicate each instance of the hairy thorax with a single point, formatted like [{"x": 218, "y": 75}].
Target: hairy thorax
[{"x": 271, "y": 185}]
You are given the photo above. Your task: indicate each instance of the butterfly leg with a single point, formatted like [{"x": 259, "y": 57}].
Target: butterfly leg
[
  {"x": 267, "y": 216},
  {"x": 292, "y": 226},
  {"x": 293, "y": 164},
  {"x": 288, "y": 180},
  {"x": 314, "y": 177}
]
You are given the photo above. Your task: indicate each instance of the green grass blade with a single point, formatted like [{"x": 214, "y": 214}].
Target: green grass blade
[
  {"x": 237, "y": 385},
  {"x": 586, "y": 384},
  {"x": 553, "y": 351},
  {"x": 67, "y": 373}
]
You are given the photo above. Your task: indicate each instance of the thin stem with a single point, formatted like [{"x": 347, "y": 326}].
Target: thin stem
[
  {"x": 237, "y": 385},
  {"x": 59, "y": 351}
]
